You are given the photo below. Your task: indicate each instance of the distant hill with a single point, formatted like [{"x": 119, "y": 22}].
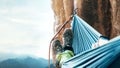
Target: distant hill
[{"x": 27, "y": 62}]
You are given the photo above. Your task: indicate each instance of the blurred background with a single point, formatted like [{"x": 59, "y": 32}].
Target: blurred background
[{"x": 26, "y": 27}]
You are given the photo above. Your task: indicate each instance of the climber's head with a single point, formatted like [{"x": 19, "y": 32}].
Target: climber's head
[
  {"x": 67, "y": 37},
  {"x": 56, "y": 46},
  {"x": 102, "y": 40}
]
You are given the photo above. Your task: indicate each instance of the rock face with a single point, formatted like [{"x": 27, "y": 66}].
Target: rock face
[
  {"x": 62, "y": 11},
  {"x": 103, "y": 15},
  {"x": 97, "y": 13},
  {"x": 115, "y": 5}
]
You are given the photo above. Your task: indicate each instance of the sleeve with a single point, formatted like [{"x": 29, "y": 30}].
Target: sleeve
[{"x": 58, "y": 57}]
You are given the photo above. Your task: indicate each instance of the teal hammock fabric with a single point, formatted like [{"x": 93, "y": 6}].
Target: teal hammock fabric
[
  {"x": 101, "y": 57},
  {"x": 84, "y": 35}
]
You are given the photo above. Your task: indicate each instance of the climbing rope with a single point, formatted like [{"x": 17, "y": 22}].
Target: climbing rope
[
  {"x": 74, "y": 12},
  {"x": 55, "y": 37}
]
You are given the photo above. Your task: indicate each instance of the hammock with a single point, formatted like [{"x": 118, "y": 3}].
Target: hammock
[
  {"x": 101, "y": 57},
  {"x": 84, "y": 37}
]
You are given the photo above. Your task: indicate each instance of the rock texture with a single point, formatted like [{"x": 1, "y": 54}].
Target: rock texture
[
  {"x": 62, "y": 11},
  {"x": 97, "y": 13},
  {"x": 103, "y": 15},
  {"x": 115, "y": 5}
]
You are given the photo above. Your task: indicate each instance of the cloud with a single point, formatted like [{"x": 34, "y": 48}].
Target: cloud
[{"x": 25, "y": 27}]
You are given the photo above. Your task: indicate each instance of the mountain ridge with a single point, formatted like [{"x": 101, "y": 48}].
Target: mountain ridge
[{"x": 25, "y": 62}]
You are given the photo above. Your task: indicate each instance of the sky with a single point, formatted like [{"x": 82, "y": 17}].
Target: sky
[{"x": 26, "y": 27}]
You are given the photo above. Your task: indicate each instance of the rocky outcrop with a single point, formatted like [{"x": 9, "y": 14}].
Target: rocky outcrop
[
  {"x": 103, "y": 15},
  {"x": 115, "y": 5},
  {"x": 62, "y": 11},
  {"x": 97, "y": 13}
]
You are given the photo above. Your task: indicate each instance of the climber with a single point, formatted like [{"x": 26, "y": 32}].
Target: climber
[
  {"x": 101, "y": 41},
  {"x": 64, "y": 52}
]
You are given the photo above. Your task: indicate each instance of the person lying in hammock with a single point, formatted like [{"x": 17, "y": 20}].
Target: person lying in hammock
[
  {"x": 101, "y": 41},
  {"x": 63, "y": 53}
]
